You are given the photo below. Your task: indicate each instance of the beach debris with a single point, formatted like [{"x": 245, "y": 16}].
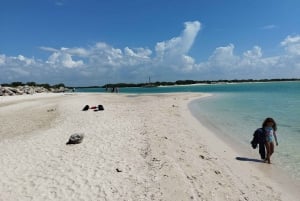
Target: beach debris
[
  {"x": 75, "y": 138},
  {"x": 207, "y": 158},
  {"x": 95, "y": 108},
  {"x": 98, "y": 108},
  {"x": 118, "y": 170},
  {"x": 51, "y": 110},
  {"x": 217, "y": 172},
  {"x": 155, "y": 159},
  {"x": 85, "y": 108}
]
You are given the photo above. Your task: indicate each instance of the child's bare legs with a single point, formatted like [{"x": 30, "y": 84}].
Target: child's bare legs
[
  {"x": 271, "y": 148},
  {"x": 268, "y": 147}
]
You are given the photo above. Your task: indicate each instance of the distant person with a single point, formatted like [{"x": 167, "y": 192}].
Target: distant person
[{"x": 270, "y": 127}]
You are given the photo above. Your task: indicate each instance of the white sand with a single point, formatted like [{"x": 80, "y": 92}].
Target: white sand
[{"x": 160, "y": 150}]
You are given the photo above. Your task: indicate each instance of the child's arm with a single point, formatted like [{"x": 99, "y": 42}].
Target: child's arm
[{"x": 275, "y": 138}]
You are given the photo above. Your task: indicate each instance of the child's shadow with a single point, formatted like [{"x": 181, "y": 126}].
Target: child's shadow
[{"x": 249, "y": 159}]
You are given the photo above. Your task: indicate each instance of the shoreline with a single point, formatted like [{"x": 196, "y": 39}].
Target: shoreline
[
  {"x": 246, "y": 154},
  {"x": 141, "y": 147}
]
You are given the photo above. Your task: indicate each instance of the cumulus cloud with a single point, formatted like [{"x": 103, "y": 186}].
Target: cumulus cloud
[
  {"x": 19, "y": 60},
  {"x": 173, "y": 52},
  {"x": 225, "y": 64},
  {"x": 179, "y": 45},
  {"x": 64, "y": 57},
  {"x": 2, "y": 59},
  {"x": 255, "y": 53},
  {"x": 169, "y": 60},
  {"x": 223, "y": 57},
  {"x": 292, "y": 44},
  {"x": 15, "y": 68}
]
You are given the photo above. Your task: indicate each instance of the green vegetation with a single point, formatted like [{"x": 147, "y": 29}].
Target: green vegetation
[
  {"x": 178, "y": 82},
  {"x": 188, "y": 82}
]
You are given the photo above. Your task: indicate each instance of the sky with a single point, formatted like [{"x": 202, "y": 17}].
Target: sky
[{"x": 94, "y": 42}]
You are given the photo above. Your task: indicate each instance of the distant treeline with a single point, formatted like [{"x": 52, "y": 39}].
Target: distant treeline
[
  {"x": 188, "y": 82},
  {"x": 178, "y": 82},
  {"x": 33, "y": 84}
]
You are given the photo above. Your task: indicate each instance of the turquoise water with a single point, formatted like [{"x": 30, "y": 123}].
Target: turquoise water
[
  {"x": 239, "y": 113},
  {"x": 238, "y": 109}
]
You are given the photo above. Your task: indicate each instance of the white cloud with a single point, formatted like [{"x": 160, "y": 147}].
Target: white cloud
[
  {"x": 2, "y": 59},
  {"x": 223, "y": 57},
  {"x": 255, "y": 53},
  {"x": 169, "y": 60},
  {"x": 172, "y": 54},
  {"x": 49, "y": 49},
  {"x": 225, "y": 64},
  {"x": 292, "y": 44},
  {"x": 178, "y": 46},
  {"x": 64, "y": 57},
  {"x": 27, "y": 61},
  {"x": 81, "y": 52},
  {"x": 16, "y": 61},
  {"x": 138, "y": 53},
  {"x": 105, "y": 55},
  {"x": 269, "y": 26}
]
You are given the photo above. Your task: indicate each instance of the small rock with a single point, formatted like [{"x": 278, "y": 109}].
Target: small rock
[
  {"x": 217, "y": 172},
  {"x": 76, "y": 138},
  {"x": 118, "y": 170},
  {"x": 8, "y": 92},
  {"x": 51, "y": 110}
]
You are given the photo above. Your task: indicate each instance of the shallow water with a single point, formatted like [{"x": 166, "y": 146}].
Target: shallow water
[{"x": 238, "y": 114}]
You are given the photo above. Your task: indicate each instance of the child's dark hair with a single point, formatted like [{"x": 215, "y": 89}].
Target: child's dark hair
[{"x": 269, "y": 119}]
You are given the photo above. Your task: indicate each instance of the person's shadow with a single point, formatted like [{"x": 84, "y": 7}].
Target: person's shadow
[{"x": 249, "y": 159}]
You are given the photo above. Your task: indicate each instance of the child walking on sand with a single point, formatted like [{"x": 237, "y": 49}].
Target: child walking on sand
[{"x": 270, "y": 127}]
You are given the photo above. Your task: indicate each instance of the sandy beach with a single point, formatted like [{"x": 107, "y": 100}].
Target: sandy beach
[{"x": 141, "y": 147}]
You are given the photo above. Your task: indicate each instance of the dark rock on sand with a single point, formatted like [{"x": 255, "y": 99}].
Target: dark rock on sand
[
  {"x": 76, "y": 138},
  {"x": 118, "y": 170}
]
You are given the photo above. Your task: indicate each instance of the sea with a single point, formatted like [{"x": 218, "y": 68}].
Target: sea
[{"x": 235, "y": 111}]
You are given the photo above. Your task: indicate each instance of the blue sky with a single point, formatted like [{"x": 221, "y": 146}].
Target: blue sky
[{"x": 93, "y": 42}]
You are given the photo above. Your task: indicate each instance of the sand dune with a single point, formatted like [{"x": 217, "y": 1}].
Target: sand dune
[{"x": 146, "y": 147}]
